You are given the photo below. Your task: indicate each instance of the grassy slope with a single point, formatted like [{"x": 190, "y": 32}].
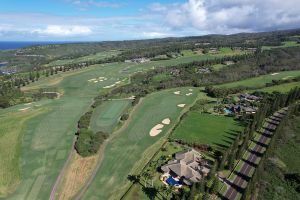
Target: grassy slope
[
  {"x": 260, "y": 81},
  {"x": 125, "y": 150},
  {"x": 206, "y": 129},
  {"x": 106, "y": 116}
]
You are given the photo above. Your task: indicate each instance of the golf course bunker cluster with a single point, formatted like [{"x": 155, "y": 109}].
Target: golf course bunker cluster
[{"x": 157, "y": 129}]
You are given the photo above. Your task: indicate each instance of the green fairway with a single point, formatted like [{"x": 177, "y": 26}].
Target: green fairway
[
  {"x": 129, "y": 149},
  {"x": 92, "y": 57},
  {"x": 206, "y": 129},
  {"x": 283, "y": 45},
  {"x": 283, "y": 88},
  {"x": 106, "y": 116},
  {"x": 261, "y": 81}
]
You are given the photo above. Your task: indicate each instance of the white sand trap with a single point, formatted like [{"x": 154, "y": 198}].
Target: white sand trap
[
  {"x": 101, "y": 80},
  {"x": 109, "y": 86},
  {"x": 132, "y": 97},
  {"x": 156, "y": 130},
  {"x": 177, "y": 92},
  {"x": 181, "y": 105},
  {"x": 101, "y": 77},
  {"x": 27, "y": 104},
  {"x": 166, "y": 121},
  {"x": 95, "y": 81},
  {"x": 287, "y": 77},
  {"x": 274, "y": 74},
  {"x": 190, "y": 90},
  {"x": 24, "y": 109},
  {"x": 118, "y": 82},
  {"x": 188, "y": 94}
]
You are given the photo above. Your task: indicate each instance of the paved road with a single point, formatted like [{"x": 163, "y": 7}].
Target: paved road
[{"x": 239, "y": 181}]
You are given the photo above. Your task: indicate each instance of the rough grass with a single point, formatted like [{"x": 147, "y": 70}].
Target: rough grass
[
  {"x": 106, "y": 116},
  {"x": 261, "y": 81},
  {"x": 207, "y": 129},
  {"x": 125, "y": 150}
]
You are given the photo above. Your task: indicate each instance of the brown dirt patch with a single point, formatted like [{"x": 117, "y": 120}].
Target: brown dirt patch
[{"x": 76, "y": 175}]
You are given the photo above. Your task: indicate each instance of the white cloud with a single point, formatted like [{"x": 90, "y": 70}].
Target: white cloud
[
  {"x": 230, "y": 16},
  {"x": 58, "y": 30},
  {"x": 156, "y": 34}
]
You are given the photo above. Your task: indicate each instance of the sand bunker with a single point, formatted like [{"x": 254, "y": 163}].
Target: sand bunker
[
  {"x": 188, "y": 94},
  {"x": 177, "y": 92},
  {"x": 109, "y": 86},
  {"x": 274, "y": 74},
  {"x": 118, "y": 82},
  {"x": 24, "y": 109},
  {"x": 27, "y": 104},
  {"x": 190, "y": 90},
  {"x": 166, "y": 121},
  {"x": 181, "y": 105},
  {"x": 96, "y": 80},
  {"x": 156, "y": 130}
]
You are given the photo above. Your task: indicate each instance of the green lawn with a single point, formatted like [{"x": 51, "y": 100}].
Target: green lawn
[
  {"x": 127, "y": 152},
  {"x": 261, "y": 81},
  {"x": 106, "y": 116},
  {"x": 207, "y": 129}
]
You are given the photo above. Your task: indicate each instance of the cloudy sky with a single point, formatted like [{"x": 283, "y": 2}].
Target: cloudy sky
[{"x": 98, "y": 20}]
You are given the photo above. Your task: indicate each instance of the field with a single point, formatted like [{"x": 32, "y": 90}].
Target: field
[
  {"x": 207, "y": 129},
  {"x": 261, "y": 81},
  {"x": 283, "y": 88},
  {"x": 133, "y": 146},
  {"x": 106, "y": 116}
]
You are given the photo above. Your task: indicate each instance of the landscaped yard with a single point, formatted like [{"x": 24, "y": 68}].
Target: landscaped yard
[{"x": 209, "y": 129}]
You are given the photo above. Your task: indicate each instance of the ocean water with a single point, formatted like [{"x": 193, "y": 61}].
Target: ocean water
[{"x": 16, "y": 45}]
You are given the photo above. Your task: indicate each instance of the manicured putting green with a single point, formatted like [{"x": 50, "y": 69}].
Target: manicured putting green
[
  {"x": 107, "y": 115},
  {"x": 207, "y": 129}
]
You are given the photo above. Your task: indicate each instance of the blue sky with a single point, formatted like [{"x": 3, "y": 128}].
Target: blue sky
[{"x": 98, "y": 20}]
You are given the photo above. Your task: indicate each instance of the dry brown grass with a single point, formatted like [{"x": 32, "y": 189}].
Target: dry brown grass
[{"x": 76, "y": 175}]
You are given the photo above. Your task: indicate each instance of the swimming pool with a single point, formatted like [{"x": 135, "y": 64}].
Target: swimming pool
[
  {"x": 227, "y": 111},
  {"x": 171, "y": 181}
]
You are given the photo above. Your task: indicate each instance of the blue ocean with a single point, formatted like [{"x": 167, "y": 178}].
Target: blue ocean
[{"x": 16, "y": 45}]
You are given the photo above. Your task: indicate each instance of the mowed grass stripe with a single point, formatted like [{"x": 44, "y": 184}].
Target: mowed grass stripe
[{"x": 201, "y": 128}]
